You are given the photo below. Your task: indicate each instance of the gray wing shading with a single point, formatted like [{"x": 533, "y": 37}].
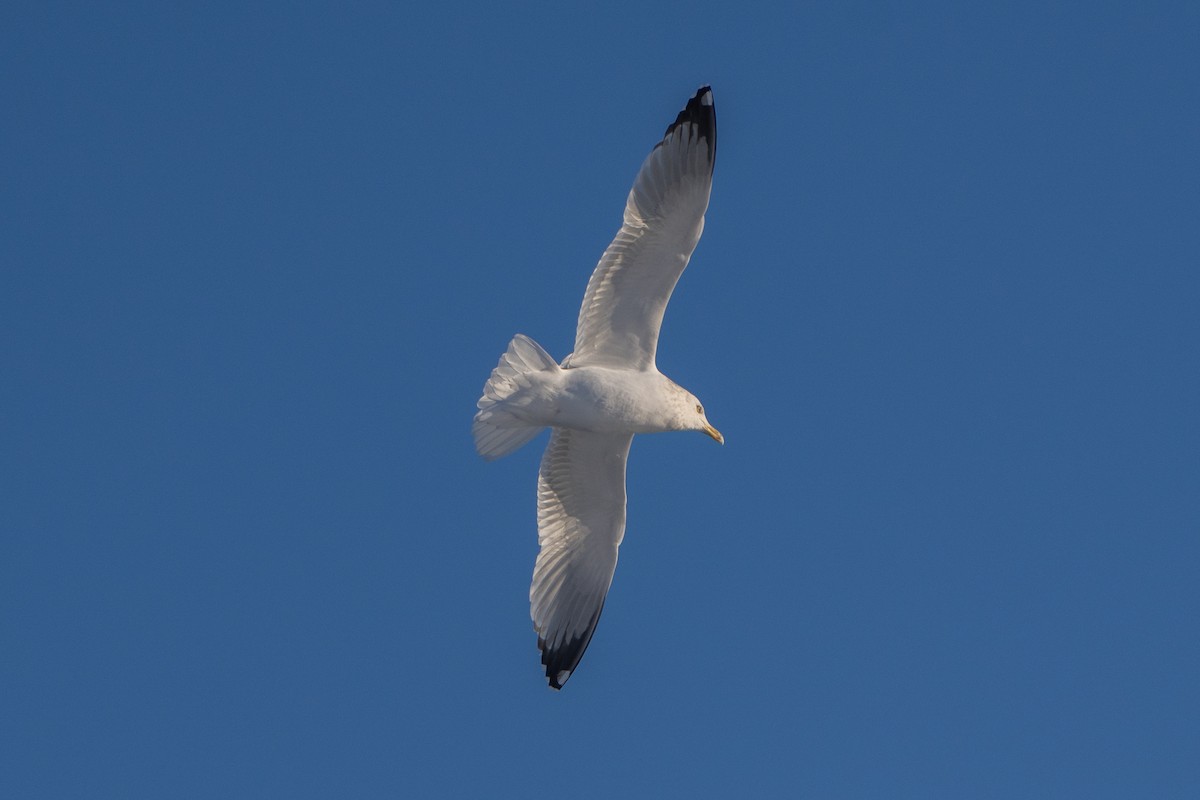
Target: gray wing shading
[
  {"x": 581, "y": 521},
  {"x": 664, "y": 215}
]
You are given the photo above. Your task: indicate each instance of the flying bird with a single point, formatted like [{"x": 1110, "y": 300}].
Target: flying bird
[{"x": 604, "y": 392}]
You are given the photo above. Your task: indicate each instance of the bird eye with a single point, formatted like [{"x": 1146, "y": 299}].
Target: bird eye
[{"x": 699, "y": 409}]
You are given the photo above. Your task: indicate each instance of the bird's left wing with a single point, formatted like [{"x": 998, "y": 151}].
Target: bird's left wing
[
  {"x": 581, "y": 521},
  {"x": 623, "y": 306}
]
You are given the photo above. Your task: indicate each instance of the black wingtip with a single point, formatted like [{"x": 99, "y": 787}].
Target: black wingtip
[
  {"x": 560, "y": 662},
  {"x": 701, "y": 113}
]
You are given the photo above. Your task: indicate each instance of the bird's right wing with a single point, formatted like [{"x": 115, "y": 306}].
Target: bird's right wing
[
  {"x": 581, "y": 521},
  {"x": 623, "y": 306}
]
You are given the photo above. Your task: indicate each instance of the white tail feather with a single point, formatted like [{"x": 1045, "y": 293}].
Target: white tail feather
[{"x": 497, "y": 430}]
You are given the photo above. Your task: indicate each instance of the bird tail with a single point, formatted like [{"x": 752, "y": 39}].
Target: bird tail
[{"x": 498, "y": 427}]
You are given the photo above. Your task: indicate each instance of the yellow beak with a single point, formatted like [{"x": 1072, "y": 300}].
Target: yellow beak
[{"x": 714, "y": 433}]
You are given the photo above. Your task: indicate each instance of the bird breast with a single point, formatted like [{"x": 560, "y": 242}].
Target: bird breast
[{"x": 605, "y": 400}]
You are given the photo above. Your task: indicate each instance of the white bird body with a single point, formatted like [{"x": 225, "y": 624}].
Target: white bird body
[
  {"x": 605, "y": 392},
  {"x": 605, "y": 400}
]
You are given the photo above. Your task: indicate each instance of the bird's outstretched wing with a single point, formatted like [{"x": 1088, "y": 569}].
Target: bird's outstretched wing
[
  {"x": 581, "y": 521},
  {"x": 628, "y": 292}
]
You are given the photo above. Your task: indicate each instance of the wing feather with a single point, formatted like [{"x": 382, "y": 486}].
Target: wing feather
[
  {"x": 581, "y": 521},
  {"x": 627, "y": 294}
]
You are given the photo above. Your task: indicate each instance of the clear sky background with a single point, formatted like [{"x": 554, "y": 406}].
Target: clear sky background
[{"x": 256, "y": 263}]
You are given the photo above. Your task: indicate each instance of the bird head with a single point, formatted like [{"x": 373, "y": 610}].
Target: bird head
[{"x": 689, "y": 415}]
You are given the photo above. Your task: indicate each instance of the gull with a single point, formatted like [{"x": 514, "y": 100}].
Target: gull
[{"x": 604, "y": 392}]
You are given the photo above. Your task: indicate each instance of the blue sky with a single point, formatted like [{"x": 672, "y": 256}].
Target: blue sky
[{"x": 258, "y": 261}]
